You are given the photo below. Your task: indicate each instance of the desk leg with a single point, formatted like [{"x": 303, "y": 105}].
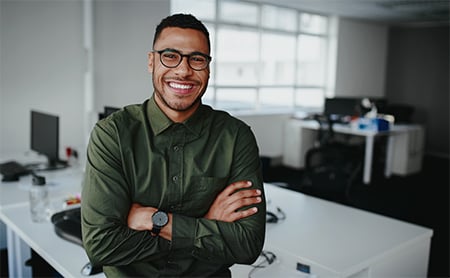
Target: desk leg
[
  {"x": 18, "y": 254},
  {"x": 389, "y": 153},
  {"x": 368, "y": 160}
]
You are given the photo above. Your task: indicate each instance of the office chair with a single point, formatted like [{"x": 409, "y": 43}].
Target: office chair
[
  {"x": 107, "y": 110},
  {"x": 331, "y": 171},
  {"x": 402, "y": 112},
  {"x": 332, "y": 167}
]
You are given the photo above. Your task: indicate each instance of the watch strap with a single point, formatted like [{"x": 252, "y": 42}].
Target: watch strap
[{"x": 155, "y": 230}]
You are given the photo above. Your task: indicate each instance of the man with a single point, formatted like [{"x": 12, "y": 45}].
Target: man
[{"x": 173, "y": 187}]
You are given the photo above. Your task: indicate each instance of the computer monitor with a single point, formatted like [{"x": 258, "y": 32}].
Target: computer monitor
[
  {"x": 341, "y": 106},
  {"x": 108, "y": 110},
  {"x": 45, "y": 138}
]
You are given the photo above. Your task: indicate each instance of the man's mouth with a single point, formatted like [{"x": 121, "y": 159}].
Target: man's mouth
[{"x": 179, "y": 86}]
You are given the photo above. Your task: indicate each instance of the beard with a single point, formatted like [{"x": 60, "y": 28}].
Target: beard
[{"x": 178, "y": 104}]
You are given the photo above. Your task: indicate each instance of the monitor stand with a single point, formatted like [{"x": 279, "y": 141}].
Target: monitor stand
[
  {"x": 56, "y": 164},
  {"x": 49, "y": 166}
]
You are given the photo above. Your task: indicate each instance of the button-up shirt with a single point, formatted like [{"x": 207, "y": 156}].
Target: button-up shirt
[{"x": 138, "y": 155}]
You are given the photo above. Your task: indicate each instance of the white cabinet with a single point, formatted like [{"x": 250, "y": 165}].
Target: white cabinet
[
  {"x": 407, "y": 150},
  {"x": 297, "y": 141}
]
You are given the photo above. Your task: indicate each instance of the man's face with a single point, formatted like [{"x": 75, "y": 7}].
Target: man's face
[{"x": 178, "y": 90}]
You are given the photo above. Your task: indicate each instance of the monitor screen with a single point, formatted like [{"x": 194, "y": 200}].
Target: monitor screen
[
  {"x": 45, "y": 137},
  {"x": 342, "y": 106}
]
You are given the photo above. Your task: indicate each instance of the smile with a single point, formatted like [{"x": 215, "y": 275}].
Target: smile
[{"x": 180, "y": 86}]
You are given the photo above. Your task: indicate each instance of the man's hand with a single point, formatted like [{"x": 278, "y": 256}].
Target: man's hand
[
  {"x": 227, "y": 204},
  {"x": 139, "y": 217}
]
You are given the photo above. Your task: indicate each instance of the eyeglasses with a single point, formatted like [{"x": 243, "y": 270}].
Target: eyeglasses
[{"x": 171, "y": 58}]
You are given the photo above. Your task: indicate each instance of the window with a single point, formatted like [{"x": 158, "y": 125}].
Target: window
[
  {"x": 236, "y": 63},
  {"x": 264, "y": 56}
]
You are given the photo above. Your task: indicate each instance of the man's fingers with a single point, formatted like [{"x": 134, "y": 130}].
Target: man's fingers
[
  {"x": 244, "y": 202},
  {"x": 243, "y": 213},
  {"x": 230, "y": 203},
  {"x": 232, "y": 188}
]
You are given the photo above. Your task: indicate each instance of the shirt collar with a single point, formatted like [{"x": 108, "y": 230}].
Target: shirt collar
[{"x": 159, "y": 122}]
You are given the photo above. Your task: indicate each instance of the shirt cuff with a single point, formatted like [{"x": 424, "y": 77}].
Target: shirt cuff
[{"x": 183, "y": 231}]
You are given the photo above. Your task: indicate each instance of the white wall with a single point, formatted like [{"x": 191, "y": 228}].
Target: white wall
[
  {"x": 123, "y": 35},
  {"x": 43, "y": 63},
  {"x": 361, "y": 59},
  {"x": 41, "y": 68}
]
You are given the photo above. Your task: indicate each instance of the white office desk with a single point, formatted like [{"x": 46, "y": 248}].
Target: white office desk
[
  {"x": 22, "y": 233},
  {"x": 339, "y": 241},
  {"x": 65, "y": 257},
  {"x": 297, "y": 143},
  {"x": 60, "y": 183},
  {"x": 334, "y": 240}
]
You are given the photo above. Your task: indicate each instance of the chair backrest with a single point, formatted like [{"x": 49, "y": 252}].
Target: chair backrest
[
  {"x": 331, "y": 170},
  {"x": 402, "y": 112},
  {"x": 108, "y": 110}
]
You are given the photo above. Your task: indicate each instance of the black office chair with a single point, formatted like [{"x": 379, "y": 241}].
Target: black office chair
[
  {"x": 402, "y": 113},
  {"x": 332, "y": 167},
  {"x": 331, "y": 171},
  {"x": 108, "y": 110}
]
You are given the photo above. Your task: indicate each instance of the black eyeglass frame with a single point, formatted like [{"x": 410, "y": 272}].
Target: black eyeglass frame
[{"x": 207, "y": 57}]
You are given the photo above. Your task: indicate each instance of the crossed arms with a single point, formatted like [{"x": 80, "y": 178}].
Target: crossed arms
[{"x": 226, "y": 207}]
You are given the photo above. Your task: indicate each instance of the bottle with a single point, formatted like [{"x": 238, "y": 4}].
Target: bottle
[{"x": 39, "y": 201}]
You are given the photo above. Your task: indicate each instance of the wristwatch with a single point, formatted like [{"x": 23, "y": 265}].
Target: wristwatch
[{"x": 159, "y": 219}]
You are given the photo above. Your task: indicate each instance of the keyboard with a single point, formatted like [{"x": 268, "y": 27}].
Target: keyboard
[{"x": 12, "y": 170}]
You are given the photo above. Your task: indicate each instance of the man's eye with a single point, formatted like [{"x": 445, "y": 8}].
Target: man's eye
[
  {"x": 170, "y": 56},
  {"x": 198, "y": 59}
]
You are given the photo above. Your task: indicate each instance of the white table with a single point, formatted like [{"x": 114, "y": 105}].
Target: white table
[
  {"x": 298, "y": 142},
  {"x": 339, "y": 241},
  {"x": 334, "y": 240},
  {"x": 22, "y": 233},
  {"x": 65, "y": 257}
]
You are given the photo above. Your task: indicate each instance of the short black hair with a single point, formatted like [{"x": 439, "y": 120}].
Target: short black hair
[{"x": 182, "y": 21}]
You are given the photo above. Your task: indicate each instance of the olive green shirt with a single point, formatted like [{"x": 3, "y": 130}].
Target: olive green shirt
[{"x": 138, "y": 155}]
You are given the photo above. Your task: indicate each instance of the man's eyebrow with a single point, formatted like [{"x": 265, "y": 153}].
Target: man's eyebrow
[{"x": 178, "y": 51}]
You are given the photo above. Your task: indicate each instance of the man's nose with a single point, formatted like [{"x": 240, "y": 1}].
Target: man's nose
[{"x": 184, "y": 67}]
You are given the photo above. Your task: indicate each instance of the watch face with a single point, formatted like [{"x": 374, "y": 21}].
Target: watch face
[{"x": 160, "y": 218}]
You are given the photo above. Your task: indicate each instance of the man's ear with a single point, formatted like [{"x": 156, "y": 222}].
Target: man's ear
[{"x": 150, "y": 64}]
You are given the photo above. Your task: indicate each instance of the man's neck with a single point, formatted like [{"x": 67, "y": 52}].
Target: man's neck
[{"x": 175, "y": 115}]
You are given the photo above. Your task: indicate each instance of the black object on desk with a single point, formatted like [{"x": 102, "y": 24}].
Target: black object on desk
[
  {"x": 68, "y": 226},
  {"x": 12, "y": 170}
]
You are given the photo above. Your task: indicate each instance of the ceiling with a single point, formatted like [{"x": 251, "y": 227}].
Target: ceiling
[{"x": 386, "y": 11}]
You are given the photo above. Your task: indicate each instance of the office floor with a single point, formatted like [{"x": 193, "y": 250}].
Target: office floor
[{"x": 421, "y": 198}]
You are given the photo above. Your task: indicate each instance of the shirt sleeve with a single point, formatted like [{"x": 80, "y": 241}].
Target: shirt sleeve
[
  {"x": 105, "y": 205},
  {"x": 223, "y": 242}
]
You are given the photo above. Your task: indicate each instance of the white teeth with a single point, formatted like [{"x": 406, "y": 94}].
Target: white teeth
[{"x": 180, "y": 86}]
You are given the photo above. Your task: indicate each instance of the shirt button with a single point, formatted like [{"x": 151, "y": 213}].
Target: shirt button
[
  {"x": 176, "y": 148},
  {"x": 175, "y": 178}
]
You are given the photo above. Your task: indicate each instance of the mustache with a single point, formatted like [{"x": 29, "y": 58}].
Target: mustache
[{"x": 176, "y": 78}]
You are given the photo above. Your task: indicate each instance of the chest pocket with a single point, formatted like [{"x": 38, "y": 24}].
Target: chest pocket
[{"x": 201, "y": 193}]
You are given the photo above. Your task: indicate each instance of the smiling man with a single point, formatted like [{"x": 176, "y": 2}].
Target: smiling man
[{"x": 173, "y": 188}]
